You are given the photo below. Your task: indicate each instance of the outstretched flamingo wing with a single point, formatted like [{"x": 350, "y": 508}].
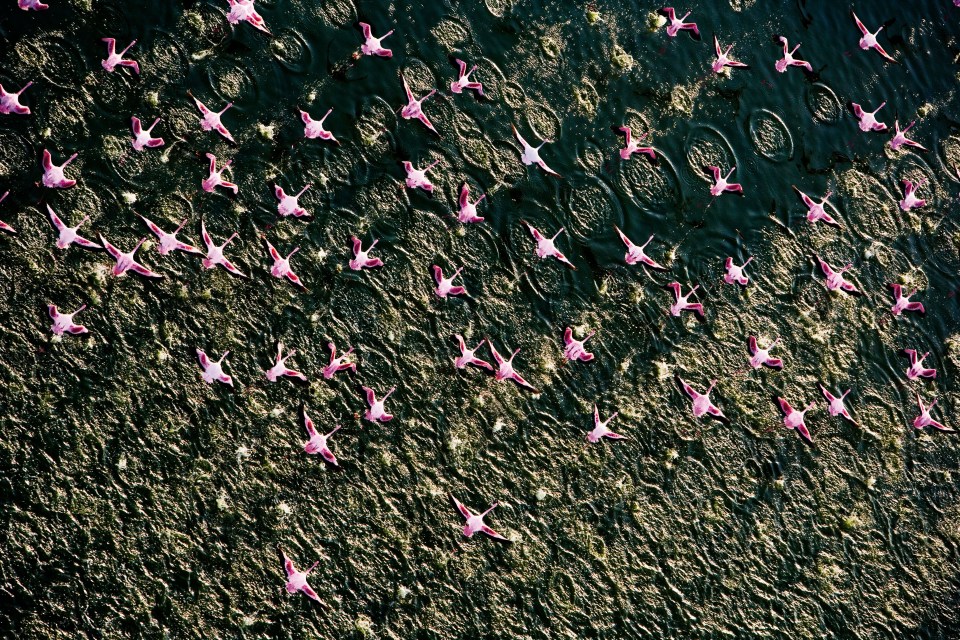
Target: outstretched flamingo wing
[
  {"x": 425, "y": 120},
  {"x": 202, "y": 107},
  {"x": 207, "y": 240},
  {"x": 690, "y": 391},
  {"x": 57, "y": 222},
  {"x": 886, "y": 55},
  {"x": 860, "y": 25},
  {"x": 142, "y": 270},
  {"x": 406, "y": 88},
  {"x": 229, "y": 266},
  {"x": 519, "y": 137},
  {"x": 675, "y": 287},
  {"x": 493, "y": 534},
  {"x": 784, "y": 406},
  {"x": 534, "y": 232},
  {"x": 308, "y": 424},
  {"x": 112, "y": 250},
  {"x": 462, "y": 509},
  {"x": 306, "y": 589},
  {"x": 516, "y": 377},
  {"x": 273, "y": 252}
]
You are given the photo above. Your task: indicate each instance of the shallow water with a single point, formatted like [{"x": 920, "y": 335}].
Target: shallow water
[{"x": 141, "y": 502}]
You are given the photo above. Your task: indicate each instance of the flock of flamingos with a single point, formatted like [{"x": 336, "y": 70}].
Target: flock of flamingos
[{"x": 54, "y": 177}]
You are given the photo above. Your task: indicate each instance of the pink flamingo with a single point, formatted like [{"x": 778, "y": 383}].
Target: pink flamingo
[
  {"x": 600, "y": 429},
  {"x": 169, "y": 241},
  {"x": 836, "y": 406},
  {"x": 463, "y": 81},
  {"x": 475, "y": 521},
  {"x": 900, "y": 138},
  {"x": 869, "y": 40},
  {"x": 63, "y": 322},
  {"x": 126, "y": 261},
  {"x": 530, "y": 154},
  {"x": 115, "y": 59},
  {"x": 681, "y": 302},
  {"x": 635, "y": 253},
  {"x": 318, "y": 442},
  {"x": 362, "y": 258},
  {"x": 297, "y": 580},
  {"x": 279, "y": 368},
  {"x": 289, "y": 205},
  {"x": 835, "y": 279},
  {"x": 211, "y": 119},
  {"x": 926, "y": 420},
  {"x": 910, "y": 201},
  {"x": 281, "y": 265},
  {"x": 3, "y": 225},
  {"x": 216, "y": 177},
  {"x": 10, "y": 102},
  {"x": 633, "y": 145},
  {"x": 546, "y": 247},
  {"x": 467, "y": 356},
  {"x": 314, "y": 128},
  {"x": 817, "y": 211},
  {"x": 371, "y": 45},
  {"x": 868, "y": 119},
  {"x": 414, "y": 107},
  {"x": 701, "y": 401},
  {"x": 735, "y": 274},
  {"x": 417, "y": 178},
  {"x": 723, "y": 58},
  {"x": 720, "y": 183},
  {"x": 68, "y": 235},
  {"x": 143, "y": 136},
  {"x": 53, "y": 175},
  {"x": 213, "y": 370},
  {"x": 468, "y": 210},
  {"x": 677, "y": 24},
  {"x": 788, "y": 60},
  {"x": 338, "y": 364},
  {"x": 902, "y": 302},
  {"x": 917, "y": 369},
  {"x": 760, "y": 357},
  {"x": 243, "y": 10},
  {"x": 505, "y": 369},
  {"x": 215, "y": 253},
  {"x": 376, "y": 412},
  {"x": 445, "y": 286},
  {"x": 794, "y": 419},
  {"x": 573, "y": 349}
]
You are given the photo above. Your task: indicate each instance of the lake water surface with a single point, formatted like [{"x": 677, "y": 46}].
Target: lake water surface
[{"x": 138, "y": 501}]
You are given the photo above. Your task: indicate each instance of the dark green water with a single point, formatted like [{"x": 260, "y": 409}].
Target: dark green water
[{"x": 137, "y": 501}]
